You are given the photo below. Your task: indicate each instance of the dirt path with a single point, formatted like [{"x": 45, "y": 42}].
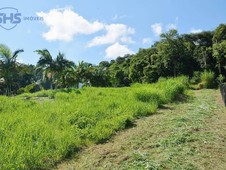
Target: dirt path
[{"x": 183, "y": 135}]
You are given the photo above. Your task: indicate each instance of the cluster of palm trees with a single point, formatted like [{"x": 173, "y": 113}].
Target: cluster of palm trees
[
  {"x": 8, "y": 62},
  {"x": 59, "y": 72}
]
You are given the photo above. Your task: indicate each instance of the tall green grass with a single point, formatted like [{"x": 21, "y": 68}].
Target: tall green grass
[
  {"x": 208, "y": 79},
  {"x": 38, "y": 130}
]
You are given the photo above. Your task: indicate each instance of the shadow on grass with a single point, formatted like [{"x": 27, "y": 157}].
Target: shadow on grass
[
  {"x": 180, "y": 98},
  {"x": 183, "y": 98},
  {"x": 72, "y": 153},
  {"x": 165, "y": 107}
]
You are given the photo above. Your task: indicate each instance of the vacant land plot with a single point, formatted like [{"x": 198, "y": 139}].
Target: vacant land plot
[
  {"x": 190, "y": 134},
  {"x": 38, "y": 130}
]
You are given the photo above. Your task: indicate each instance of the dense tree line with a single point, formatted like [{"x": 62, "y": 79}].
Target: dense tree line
[{"x": 172, "y": 56}]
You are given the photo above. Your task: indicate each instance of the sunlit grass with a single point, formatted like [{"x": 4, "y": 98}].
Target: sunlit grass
[{"x": 37, "y": 130}]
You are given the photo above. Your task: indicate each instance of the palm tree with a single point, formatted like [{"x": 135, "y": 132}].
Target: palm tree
[
  {"x": 71, "y": 79},
  {"x": 8, "y": 64},
  {"x": 54, "y": 69},
  {"x": 62, "y": 65},
  {"x": 83, "y": 73},
  {"x": 47, "y": 64},
  {"x": 75, "y": 74}
]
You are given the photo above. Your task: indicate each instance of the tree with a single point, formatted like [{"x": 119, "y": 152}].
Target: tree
[
  {"x": 219, "y": 33},
  {"x": 119, "y": 71},
  {"x": 200, "y": 47},
  {"x": 55, "y": 70},
  {"x": 47, "y": 64},
  {"x": 171, "y": 50},
  {"x": 219, "y": 52},
  {"x": 62, "y": 65},
  {"x": 101, "y": 75},
  {"x": 26, "y": 75},
  {"x": 175, "y": 53},
  {"x": 219, "y": 48},
  {"x": 204, "y": 57},
  {"x": 140, "y": 69},
  {"x": 80, "y": 72},
  {"x": 200, "y": 39},
  {"x": 8, "y": 67}
]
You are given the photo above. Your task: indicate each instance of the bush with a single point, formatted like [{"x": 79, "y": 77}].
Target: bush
[
  {"x": 196, "y": 77},
  {"x": 220, "y": 78},
  {"x": 208, "y": 79},
  {"x": 31, "y": 88},
  {"x": 145, "y": 96}
]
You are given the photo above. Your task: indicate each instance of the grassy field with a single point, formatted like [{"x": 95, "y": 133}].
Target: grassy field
[
  {"x": 189, "y": 134},
  {"x": 38, "y": 130}
]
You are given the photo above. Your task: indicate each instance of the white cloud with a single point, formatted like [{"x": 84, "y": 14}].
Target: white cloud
[
  {"x": 117, "y": 50},
  {"x": 64, "y": 24},
  {"x": 171, "y": 26},
  {"x": 146, "y": 41},
  {"x": 115, "y": 32},
  {"x": 116, "y": 17},
  {"x": 157, "y": 28},
  {"x": 127, "y": 40},
  {"x": 194, "y": 31}
]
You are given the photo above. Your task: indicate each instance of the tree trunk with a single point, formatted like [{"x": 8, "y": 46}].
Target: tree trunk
[
  {"x": 219, "y": 68},
  {"x": 174, "y": 70},
  {"x": 51, "y": 85}
]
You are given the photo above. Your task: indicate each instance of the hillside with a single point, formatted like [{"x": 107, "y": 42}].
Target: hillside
[
  {"x": 184, "y": 135},
  {"x": 41, "y": 129}
]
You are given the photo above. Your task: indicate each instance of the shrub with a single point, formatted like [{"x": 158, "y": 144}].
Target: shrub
[
  {"x": 196, "y": 77},
  {"x": 220, "y": 78},
  {"x": 146, "y": 96},
  {"x": 21, "y": 91},
  {"x": 31, "y": 88},
  {"x": 207, "y": 78}
]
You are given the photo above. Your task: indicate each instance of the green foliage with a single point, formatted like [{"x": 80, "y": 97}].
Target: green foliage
[
  {"x": 39, "y": 129},
  {"x": 221, "y": 78},
  {"x": 208, "y": 79},
  {"x": 174, "y": 55},
  {"x": 29, "y": 89},
  {"x": 219, "y": 53},
  {"x": 220, "y": 33},
  {"x": 8, "y": 69},
  {"x": 196, "y": 78},
  {"x": 147, "y": 96}
]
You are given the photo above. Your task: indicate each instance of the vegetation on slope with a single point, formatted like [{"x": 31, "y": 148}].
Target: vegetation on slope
[
  {"x": 37, "y": 131},
  {"x": 188, "y": 134}
]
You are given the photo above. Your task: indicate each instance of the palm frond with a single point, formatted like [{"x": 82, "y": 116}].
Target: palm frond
[
  {"x": 45, "y": 57},
  {"x": 5, "y": 53},
  {"x": 15, "y": 54}
]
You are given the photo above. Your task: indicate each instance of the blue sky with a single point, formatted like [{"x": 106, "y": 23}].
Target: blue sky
[{"x": 96, "y": 30}]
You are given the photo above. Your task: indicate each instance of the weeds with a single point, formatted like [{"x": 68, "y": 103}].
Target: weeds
[{"x": 36, "y": 135}]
